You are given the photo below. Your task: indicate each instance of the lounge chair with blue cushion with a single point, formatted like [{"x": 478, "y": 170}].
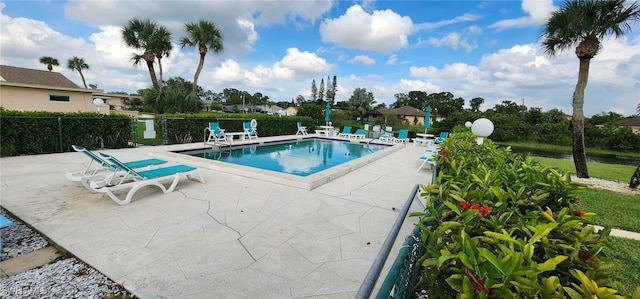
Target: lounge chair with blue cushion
[
  {"x": 216, "y": 134},
  {"x": 427, "y": 158},
  {"x": 346, "y": 131},
  {"x": 135, "y": 180},
  {"x": 358, "y": 134},
  {"x": 403, "y": 136},
  {"x": 443, "y": 136},
  {"x": 99, "y": 167},
  {"x": 302, "y": 130},
  {"x": 249, "y": 130}
]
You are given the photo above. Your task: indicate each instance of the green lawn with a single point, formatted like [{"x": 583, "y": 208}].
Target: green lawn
[
  {"x": 626, "y": 252},
  {"x": 612, "y": 209},
  {"x": 612, "y": 172},
  {"x": 567, "y": 149},
  {"x": 142, "y": 140}
]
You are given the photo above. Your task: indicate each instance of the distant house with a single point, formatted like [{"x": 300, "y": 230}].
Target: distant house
[
  {"x": 412, "y": 115},
  {"x": 24, "y": 89},
  {"x": 632, "y": 122}
]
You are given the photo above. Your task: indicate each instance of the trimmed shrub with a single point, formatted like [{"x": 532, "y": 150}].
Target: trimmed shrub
[{"x": 499, "y": 224}]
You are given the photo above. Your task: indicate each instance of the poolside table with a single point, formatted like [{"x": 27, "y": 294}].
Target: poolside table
[
  {"x": 231, "y": 135},
  {"x": 424, "y": 139}
]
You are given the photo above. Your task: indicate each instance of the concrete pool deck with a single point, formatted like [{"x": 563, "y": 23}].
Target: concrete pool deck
[{"x": 233, "y": 237}]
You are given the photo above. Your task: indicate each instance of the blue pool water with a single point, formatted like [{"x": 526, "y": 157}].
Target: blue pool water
[{"x": 300, "y": 157}]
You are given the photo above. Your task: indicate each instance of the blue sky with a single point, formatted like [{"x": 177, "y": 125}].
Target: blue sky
[{"x": 487, "y": 49}]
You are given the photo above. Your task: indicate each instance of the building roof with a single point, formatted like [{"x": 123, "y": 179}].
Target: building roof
[
  {"x": 18, "y": 75},
  {"x": 404, "y": 111},
  {"x": 630, "y": 122}
]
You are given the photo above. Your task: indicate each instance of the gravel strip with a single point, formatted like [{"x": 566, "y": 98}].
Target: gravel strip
[
  {"x": 18, "y": 239},
  {"x": 67, "y": 278}
]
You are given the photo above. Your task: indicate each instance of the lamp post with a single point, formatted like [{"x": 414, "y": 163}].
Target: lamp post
[
  {"x": 98, "y": 102},
  {"x": 482, "y": 128}
]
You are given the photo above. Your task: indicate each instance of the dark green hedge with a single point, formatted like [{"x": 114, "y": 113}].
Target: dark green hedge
[
  {"x": 190, "y": 128},
  {"x": 27, "y": 133}
]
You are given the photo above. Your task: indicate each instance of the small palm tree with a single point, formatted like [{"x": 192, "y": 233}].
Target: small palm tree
[
  {"x": 78, "y": 64},
  {"x": 204, "y": 35},
  {"x": 161, "y": 45},
  {"x": 584, "y": 24},
  {"x": 49, "y": 62},
  {"x": 146, "y": 36},
  {"x": 638, "y": 109}
]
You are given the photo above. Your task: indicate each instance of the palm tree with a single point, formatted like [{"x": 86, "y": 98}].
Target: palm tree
[
  {"x": 146, "y": 36},
  {"x": 583, "y": 24},
  {"x": 204, "y": 35},
  {"x": 161, "y": 45},
  {"x": 49, "y": 61},
  {"x": 78, "y": 64},
  {"x": 638, "y": 109}
]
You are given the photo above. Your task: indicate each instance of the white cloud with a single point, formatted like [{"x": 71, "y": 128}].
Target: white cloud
[
  {"x": 363, "y": 59},
  {"x": 453, "y": 40},
  {"x": 383, "y": 30},
  {"x": 467, "y": 17},
  {"x": 392, "y": 59},
  {"x": 537, "y": 13},
  {"x": 304, "y": 64}
]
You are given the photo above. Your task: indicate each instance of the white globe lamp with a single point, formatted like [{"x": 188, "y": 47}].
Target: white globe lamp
[
  {"x": 482, "y": 128},
  {"x": 98, "y": 102},
  {"x": 468, "y": 124}
]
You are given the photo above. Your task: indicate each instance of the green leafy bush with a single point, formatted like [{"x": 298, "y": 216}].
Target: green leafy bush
[
  {"x": 26, "y": 133},
  {"x": 501, "y": 225}
]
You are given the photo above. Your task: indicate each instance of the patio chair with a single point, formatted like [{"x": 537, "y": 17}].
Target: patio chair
[
  {"x": 102, "y": 168},
  {"x": 249, "y": 130},
  {"x": 216, "y": 134},
  {"x": 358, "y": 134},
  {"x": 346, "y": 131},
  {"x": 376, "y": 131},
  {"x": 302, "y": 130},
  {"x": 403, "y": 136},
  {"x": 443, "y": 136},
  {"x": 387, "y": 135},
  {"x": 427, "y": 159},
  {"x": 135, "y": 180}
]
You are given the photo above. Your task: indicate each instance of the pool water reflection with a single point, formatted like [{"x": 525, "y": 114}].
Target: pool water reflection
[{"x": 300, "y": 157}]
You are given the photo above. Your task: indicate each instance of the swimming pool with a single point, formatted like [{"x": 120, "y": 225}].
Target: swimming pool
[
  {"x": 299, "y": 157},
  {"x": 302, "y": 162}
]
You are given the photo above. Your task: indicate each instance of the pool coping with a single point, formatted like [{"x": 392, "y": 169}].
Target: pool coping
[{"x": 309, "y": 182}]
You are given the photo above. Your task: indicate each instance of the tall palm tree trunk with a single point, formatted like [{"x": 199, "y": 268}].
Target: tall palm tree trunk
[
  {"x": 198, "y": 70},
  {"x": 152, "y": 73},
  {"x": 579, "y": 154},
  {"x": 82, "y": 76}
]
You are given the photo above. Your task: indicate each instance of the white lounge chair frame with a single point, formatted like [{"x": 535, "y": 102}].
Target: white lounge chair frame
[
  {"x": 216, "y": 134},
  {"x": 346, "y": 131},
  {"x": 249, "y": 130},
  {"x": 102, "y": 168},
  {"x": 136, "y": 180},
  {"x": 427, "y": 159},
  {"x": 302, "y": 130},
  {"x": 358, "y": 134}
]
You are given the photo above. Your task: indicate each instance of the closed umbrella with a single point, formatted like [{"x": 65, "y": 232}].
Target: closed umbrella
[
  {"x": 427, "y": 118},
  {"x": 327, "y": 114}
]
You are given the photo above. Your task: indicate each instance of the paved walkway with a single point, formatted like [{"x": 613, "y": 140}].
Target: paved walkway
[{"x": 233, "y": 237}]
